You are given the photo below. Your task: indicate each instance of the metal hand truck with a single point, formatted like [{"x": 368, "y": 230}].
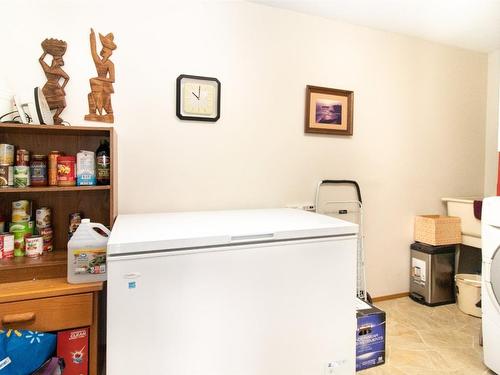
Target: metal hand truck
[{"x": 348, "y": 210}]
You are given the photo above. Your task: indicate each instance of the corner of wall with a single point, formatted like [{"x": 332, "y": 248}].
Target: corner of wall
[{"x": 492, "y": 123}]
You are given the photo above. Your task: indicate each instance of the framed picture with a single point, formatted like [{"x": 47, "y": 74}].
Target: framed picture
[
  {"x": 328, "y": 111},
  {"x": 198, "y": 98}
]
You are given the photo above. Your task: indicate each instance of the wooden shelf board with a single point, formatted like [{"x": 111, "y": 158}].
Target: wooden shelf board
[
  {"x": 56, "y": 129},
  {"x": 53, "y": 188},
  {"x": 54, "y": 258},
  {"x": 23, "y": 290}
]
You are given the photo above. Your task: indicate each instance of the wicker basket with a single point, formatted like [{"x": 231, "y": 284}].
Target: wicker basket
[{"x": 438, "y": 230}]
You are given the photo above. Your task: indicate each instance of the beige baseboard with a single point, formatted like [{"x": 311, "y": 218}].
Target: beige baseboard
[{"x": 390, "y": 296}]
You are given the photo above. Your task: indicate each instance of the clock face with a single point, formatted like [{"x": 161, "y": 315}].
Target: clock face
[{"x": 198, "y": 98}]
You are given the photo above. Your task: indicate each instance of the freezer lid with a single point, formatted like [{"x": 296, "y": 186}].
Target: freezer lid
[{"x": 171, "y": 231}]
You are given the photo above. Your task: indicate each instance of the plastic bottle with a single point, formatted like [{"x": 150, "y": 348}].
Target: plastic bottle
[
  {"x": 87, "y": 253},
  {"x": 103, "y": 163}
]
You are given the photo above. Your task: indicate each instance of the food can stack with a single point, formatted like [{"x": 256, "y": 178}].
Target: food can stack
[
  {"x": 44, "y": 227},
  {"x": 22, "y": 226}
]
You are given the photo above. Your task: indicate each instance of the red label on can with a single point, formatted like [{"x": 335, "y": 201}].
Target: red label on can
[
  {"x": 34, "y": 246},
  {"x": 6, "y": 245},
  {"x": 47, "y": 235}
]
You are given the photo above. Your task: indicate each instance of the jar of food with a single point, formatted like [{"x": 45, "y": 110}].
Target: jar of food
[
  {"x": 66, "y": 171},
  {"x": 52, "y": 164},
  {"x": 38, "y": 170},
  {"x": 22, "y": 157}
]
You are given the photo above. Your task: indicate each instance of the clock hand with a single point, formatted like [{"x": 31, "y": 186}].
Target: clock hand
[
  {"x": 199, "y": 92},
  {"x": 197, "y": 97}
]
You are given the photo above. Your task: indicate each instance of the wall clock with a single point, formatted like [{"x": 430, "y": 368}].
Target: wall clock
[{"x": 198, "y": 98}]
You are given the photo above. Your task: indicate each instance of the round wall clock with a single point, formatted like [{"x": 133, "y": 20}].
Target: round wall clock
[{"x": 198, "y": 98}]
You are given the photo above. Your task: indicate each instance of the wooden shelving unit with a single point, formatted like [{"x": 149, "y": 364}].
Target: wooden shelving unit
[{"x": 95, "y": 202}]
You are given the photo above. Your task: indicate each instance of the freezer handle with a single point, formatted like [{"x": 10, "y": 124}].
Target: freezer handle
[
  {"x": 253, "y": 237},
  {"x": 352, "y": 182}
]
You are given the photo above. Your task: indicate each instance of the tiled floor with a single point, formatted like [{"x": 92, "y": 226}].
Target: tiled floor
[{"x": 425, "y": 340}]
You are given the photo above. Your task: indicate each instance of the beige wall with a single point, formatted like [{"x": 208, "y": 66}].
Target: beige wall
[
  {"x": 492, "y": 123},
  {"x": 419, "y": 111}
]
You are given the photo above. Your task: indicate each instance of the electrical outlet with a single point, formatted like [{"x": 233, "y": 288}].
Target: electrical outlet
[
  {"x": 309, "y": 207},
  {"x": 304, "y": 206}
]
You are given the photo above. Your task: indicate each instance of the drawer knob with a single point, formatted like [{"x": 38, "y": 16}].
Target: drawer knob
[{"x": 18, "y": 318}]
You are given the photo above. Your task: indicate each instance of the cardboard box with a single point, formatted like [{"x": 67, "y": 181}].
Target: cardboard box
[
  {"x": 437, "y": 230},
  {"x": 73, "y": 346},
  {"x": 370, "y": 336}
]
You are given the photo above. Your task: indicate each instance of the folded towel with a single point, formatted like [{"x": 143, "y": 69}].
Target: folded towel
[{"x": 478, "y": 206}]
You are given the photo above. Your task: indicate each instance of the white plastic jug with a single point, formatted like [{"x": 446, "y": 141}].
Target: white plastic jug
[{"x": 87, "y": 253}]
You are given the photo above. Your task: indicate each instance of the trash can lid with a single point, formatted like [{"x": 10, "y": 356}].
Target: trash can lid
[{"x": 430, "y": 249}]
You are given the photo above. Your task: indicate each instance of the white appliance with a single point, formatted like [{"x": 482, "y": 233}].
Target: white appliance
[
  {"x": 490, "y": 291},
  {"x": 247, "y": 292},
  {"x": 33, "y": 108}
]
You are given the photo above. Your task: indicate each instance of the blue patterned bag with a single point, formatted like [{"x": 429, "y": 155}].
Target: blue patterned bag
[{"x": 22, "y": 352}]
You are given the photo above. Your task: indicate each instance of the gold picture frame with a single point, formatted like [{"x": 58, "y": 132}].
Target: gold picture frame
[{"x": 328, "y": 111}]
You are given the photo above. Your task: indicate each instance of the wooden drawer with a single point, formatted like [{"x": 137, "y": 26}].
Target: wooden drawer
[{"x": 48, "y": 314}]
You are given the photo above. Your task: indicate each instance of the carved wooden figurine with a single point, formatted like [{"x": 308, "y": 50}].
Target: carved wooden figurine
[
  {"x": 53, "y": 90},
  {"x": 101, "y": 87}
]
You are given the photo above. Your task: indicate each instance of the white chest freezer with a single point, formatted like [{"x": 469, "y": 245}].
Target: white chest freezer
[{"x": 250, "y": 292}]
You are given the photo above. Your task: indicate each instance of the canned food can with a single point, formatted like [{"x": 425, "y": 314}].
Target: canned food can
[
  {"x": 52, "y": 166},
  {"x": 34, "y": 246},
  {"x": 20, "y": 232},
  {"x": 22, "y": 157},
  {"x": 43, "y": 217},
  {"x": 19, "y": 237},
  {"x": 23, "y": 204},
  {"x": 26, "y": 227},
  {"x": 21, "y": 176},
  {"x": 19, "y": 216},
  {"x": 21, "y": 211},
  {"x": 66, "y": 171},
  {"x": 6, "y": 245},
  {"x": 6, "y": 154},
  {"x": 47, "y": 235},
  {"x": 6, "y": 175},
  {"x": 74, "y": 221}
]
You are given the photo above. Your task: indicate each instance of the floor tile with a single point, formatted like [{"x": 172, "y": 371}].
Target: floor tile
[{"x": 424, "y": 340}]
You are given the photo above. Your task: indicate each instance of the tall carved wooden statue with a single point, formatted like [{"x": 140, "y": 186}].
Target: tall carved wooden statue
[
  {"x": 53, "y": 90},
  {"x": 101, "y": 87}
]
